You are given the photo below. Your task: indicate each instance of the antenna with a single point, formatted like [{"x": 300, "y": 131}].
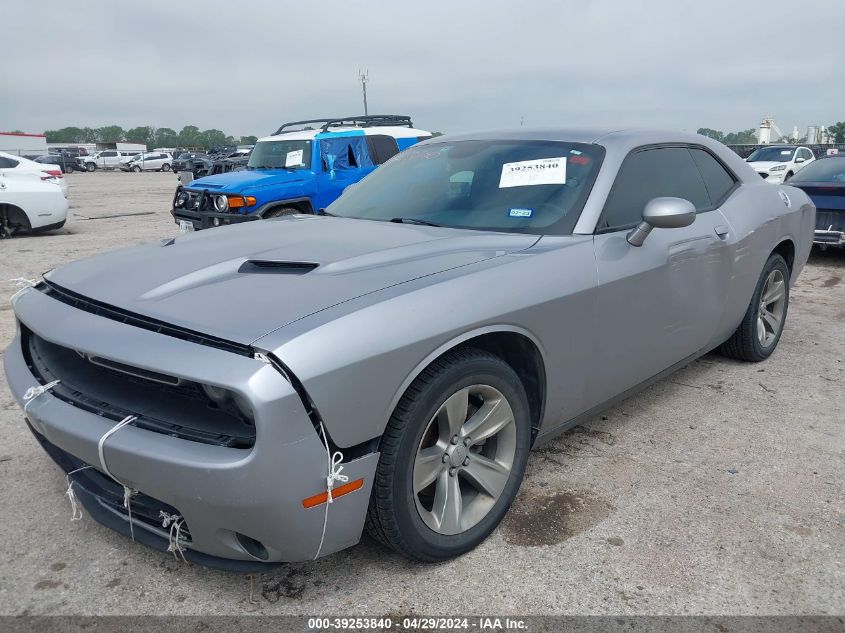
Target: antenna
[{"x": 364, "y": 77}]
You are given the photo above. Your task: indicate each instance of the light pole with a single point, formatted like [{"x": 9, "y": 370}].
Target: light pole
[{"x": 364, "y": 77}]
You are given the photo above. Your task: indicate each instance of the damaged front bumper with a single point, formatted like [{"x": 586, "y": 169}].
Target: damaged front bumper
[{"x": 242, "y": 507}]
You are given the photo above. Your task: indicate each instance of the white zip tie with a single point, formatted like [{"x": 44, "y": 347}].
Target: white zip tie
[
  {"x": 175, "y": 522},
  {"x": 33, "y": 392},
  {"x": 128, "y": 493},
  {"x": 333, "y": 475},
  {"x": 76, "y": 513},
  {"x": 23, "y": 282}
]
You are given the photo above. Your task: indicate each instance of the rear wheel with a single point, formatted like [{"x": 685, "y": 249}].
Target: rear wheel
[
  {"x": 279, "y": 212},
  {"x": 165, "y": 167},
  {"x": 759, "y": 332},
  {"x": 452, "y": 457}
]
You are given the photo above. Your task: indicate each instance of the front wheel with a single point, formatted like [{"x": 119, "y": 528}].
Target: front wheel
[
  {"x": 136, "y": 169},
  {"x": 452, "y": 457},
  {"x": 787, "y": 177},
  {"x": 280, "y": 212},
  {"x": 759, "y": 332},
  {"x": 90, "y": 166},
  {"x": 165, "y": 167}
]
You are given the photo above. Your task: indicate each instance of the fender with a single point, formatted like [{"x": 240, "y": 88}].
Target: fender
[
  {"x": 458, "y": 340},
  {"x": 260, "y": 211}
]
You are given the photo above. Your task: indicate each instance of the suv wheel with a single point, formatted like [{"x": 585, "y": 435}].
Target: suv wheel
[
  {"x": 136, "y": 169},
  {"x": 165, "y": 167},
  {"x": 452, "y": 457},
  {"x": 279, "y": 212},
  {"x": 90, "y": 166}
]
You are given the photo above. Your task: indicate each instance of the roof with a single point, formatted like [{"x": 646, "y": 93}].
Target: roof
[{"x": 307, "y": 135}]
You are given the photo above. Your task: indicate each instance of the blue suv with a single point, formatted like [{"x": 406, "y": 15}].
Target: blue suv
[{"x": 298, "y": 169}]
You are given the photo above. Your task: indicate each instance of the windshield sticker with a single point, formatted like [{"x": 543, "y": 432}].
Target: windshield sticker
[
  {"x": 521, "y": 213},
  {"x": 294, "y": 158},
  {"x": 786, "y": 152},
  {"x": 527, "y": 173}
]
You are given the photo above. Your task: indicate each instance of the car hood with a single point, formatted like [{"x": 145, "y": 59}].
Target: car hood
[
  {"x": 242, "y": 282},
  {"x": 237, "y": 180}
]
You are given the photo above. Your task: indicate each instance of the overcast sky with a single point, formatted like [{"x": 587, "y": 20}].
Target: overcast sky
[{"x": 246, "y": 66}]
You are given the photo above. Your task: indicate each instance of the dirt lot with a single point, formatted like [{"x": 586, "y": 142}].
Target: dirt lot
[{"x": 716, "y": 491}]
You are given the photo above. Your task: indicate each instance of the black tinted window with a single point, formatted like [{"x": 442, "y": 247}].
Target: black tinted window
[
  {"x": 652, "y": 173},
  {"x": 716, "y": 178},
  {"x": 382, "y": 148},
  {"x": 7, "y": 162}
]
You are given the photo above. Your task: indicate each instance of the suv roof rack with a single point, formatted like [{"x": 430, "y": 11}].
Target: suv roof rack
[{"x": 371, "y": 120}]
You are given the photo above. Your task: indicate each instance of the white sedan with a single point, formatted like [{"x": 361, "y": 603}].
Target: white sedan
[
  {"x": 10, "y": 162},
  {"x": 779, "y": 163},
  {"x": 28, "y": 203}
]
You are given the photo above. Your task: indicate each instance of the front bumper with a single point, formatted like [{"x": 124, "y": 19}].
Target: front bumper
[
  {"x": 206, "y": 219},
  {"x": 220, "y": 492},
  {"x": 829, "y": 238}
]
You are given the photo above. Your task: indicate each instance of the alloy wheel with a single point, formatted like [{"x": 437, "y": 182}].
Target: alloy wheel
[
  {"x": 771, "y": 310},
  {"x": 464, "y": 459}
]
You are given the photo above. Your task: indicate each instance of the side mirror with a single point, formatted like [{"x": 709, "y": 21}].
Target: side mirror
[
  {"x": 800, "y": 160},
  {"x": 662, "y": 213}
]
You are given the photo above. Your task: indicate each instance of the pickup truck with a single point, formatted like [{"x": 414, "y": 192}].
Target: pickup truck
[
  {"x": 298, "y": 169},
  {"x": 105, "y": 159}
]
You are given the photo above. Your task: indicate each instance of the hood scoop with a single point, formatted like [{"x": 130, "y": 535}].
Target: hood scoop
[{"x": 270, "y": 267}]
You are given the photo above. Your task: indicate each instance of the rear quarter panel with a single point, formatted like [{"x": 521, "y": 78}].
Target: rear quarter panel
[{"x": 760, "y": 219}]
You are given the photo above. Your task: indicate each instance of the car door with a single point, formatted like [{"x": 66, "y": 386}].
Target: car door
[
  {"x": 662, "y": 302},
  {"x": 343, "y": 161}
]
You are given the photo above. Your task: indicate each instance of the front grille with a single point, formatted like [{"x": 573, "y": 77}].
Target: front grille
[
  {"x": 163, "y": 404},
  {"x": 145, "y": 509}
]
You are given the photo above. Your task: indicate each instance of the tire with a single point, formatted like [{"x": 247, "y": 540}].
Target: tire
[
  {"x": 748, "y": 342},
  {"x": 278, "y": 212},
  {"x": 788, "y": 176},
  {"x": 136, "y": 169},
  {"x": 165, "y": 167},
  {"x": 398, "y": 515},
  {"x": 90, "y": 167}
]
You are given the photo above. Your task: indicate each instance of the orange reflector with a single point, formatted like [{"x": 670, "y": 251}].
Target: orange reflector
[
  {"x": 235, "y": 202},
  {"x": 323, "y": 497},
  {"x": 250, "y": 201}
]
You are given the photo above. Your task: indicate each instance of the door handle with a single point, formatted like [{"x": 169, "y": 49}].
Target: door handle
[{"x": 722, "y": 231}]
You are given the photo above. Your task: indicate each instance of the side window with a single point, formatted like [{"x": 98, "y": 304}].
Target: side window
[
  {"x": 7, "y": 163},
  {"x": 110, "y": 154},
  {"x": 382, "y": 148},
  {"x": 805, "y": 153},
  {"x": 652, "y": 173},
  {"x": 717, "y": 179}
]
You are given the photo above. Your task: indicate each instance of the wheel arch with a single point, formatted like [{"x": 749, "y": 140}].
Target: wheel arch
[
  {"x": 303, "y": 204},
  {"x": 10, "y": 211},
  {"x": 786, "y": 249},
  {"x": 516, "y": 346}
]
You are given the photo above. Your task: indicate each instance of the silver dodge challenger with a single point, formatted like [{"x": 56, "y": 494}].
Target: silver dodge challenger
[{"x": 264, "y": 392}]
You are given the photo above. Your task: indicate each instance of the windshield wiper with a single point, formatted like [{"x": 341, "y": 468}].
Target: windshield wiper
[{"x": 413, "y": 221}]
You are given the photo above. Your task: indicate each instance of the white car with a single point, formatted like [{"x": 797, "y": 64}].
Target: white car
[
  {"x": 29, "y": 203},
  {"x": 149, "y": 161},
  {"x": 779, "y": 163},
  {"x": 104, "y": 159},
  {"x": 53, "y": 173}
]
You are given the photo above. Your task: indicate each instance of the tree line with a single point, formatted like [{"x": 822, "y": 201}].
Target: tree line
[
  {"x": 749, "y": 137},
  {"x": 188, "y": 136}
]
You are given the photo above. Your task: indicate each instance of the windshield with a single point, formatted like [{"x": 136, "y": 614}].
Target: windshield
[
  {"x": 281, "y": 155},
  {"x": 771, "y": 154},
  {"x": 824, "y": 170},
  {"x": 514, "y": 186}
]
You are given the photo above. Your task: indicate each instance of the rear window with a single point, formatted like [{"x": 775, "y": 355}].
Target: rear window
[{"x": 824, "y": 170}]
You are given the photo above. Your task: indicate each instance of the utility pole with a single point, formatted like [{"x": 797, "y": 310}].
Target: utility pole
[{"x": 364, "y": 77}]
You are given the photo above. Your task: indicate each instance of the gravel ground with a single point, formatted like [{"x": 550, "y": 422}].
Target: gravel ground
[{"x": 716, "y": 491}]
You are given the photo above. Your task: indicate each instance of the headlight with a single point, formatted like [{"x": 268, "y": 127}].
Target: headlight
[
  {"x": 778, "y": 168},
  {"x": 221, "y": 203},
  {"x": 181, "y": 199}
]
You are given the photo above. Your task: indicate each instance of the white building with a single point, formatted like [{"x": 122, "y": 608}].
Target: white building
[{"x": 22, "y": 144}]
